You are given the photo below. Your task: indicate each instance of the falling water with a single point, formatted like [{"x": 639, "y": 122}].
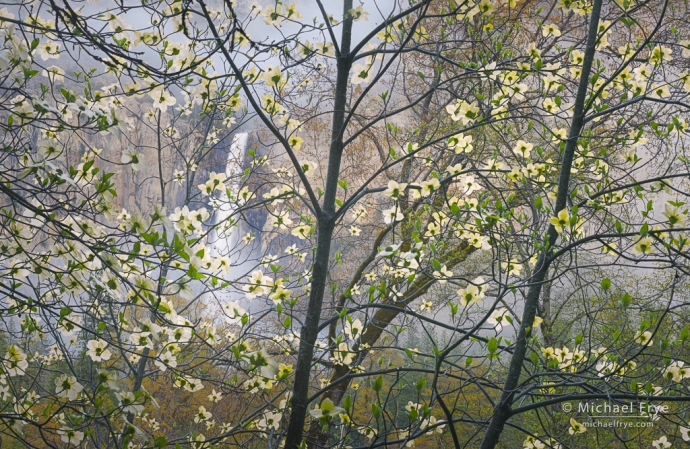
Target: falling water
[{"x": 223, "y": 240}]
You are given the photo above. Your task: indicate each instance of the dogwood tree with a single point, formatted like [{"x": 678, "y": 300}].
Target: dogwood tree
[{"x": 503, "y": 183}]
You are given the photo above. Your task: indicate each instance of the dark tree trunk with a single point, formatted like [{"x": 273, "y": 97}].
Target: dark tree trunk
[{"x": 502, "y": 410}]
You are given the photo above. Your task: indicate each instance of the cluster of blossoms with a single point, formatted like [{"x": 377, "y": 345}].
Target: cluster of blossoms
[
  {"x": 565, "y": 359},
  {"x": 540, "y": 443}
]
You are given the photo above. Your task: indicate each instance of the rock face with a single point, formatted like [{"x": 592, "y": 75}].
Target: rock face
[{"x": 140, "y": 191}]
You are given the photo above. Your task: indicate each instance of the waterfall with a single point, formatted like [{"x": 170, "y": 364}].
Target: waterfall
[{"x": 222, "y": 241}]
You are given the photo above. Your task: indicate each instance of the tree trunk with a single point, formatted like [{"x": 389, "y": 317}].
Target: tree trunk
[
  {"x": 325, "y": 224},
  {"x": 502, "y": 410}
]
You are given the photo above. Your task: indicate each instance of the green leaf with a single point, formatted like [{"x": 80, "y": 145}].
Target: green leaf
[
  {"x": 453, "y": 308},
  {"x": 492, "y": 345},
  {"x": 160, "y": 442},
  {"x": 606, "y": 283},
  {"x": 538, "y": 202},
  {"x": 377, "y": 384},
  {"x": 644, "y": 230},
  {"x": 375, "y": 410},
  {"x": 625, "y": 300},
  {"x": 347, "y": 402},
  {"x": 685, "y": 333},
  {"x": 455, "y": 210}
]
